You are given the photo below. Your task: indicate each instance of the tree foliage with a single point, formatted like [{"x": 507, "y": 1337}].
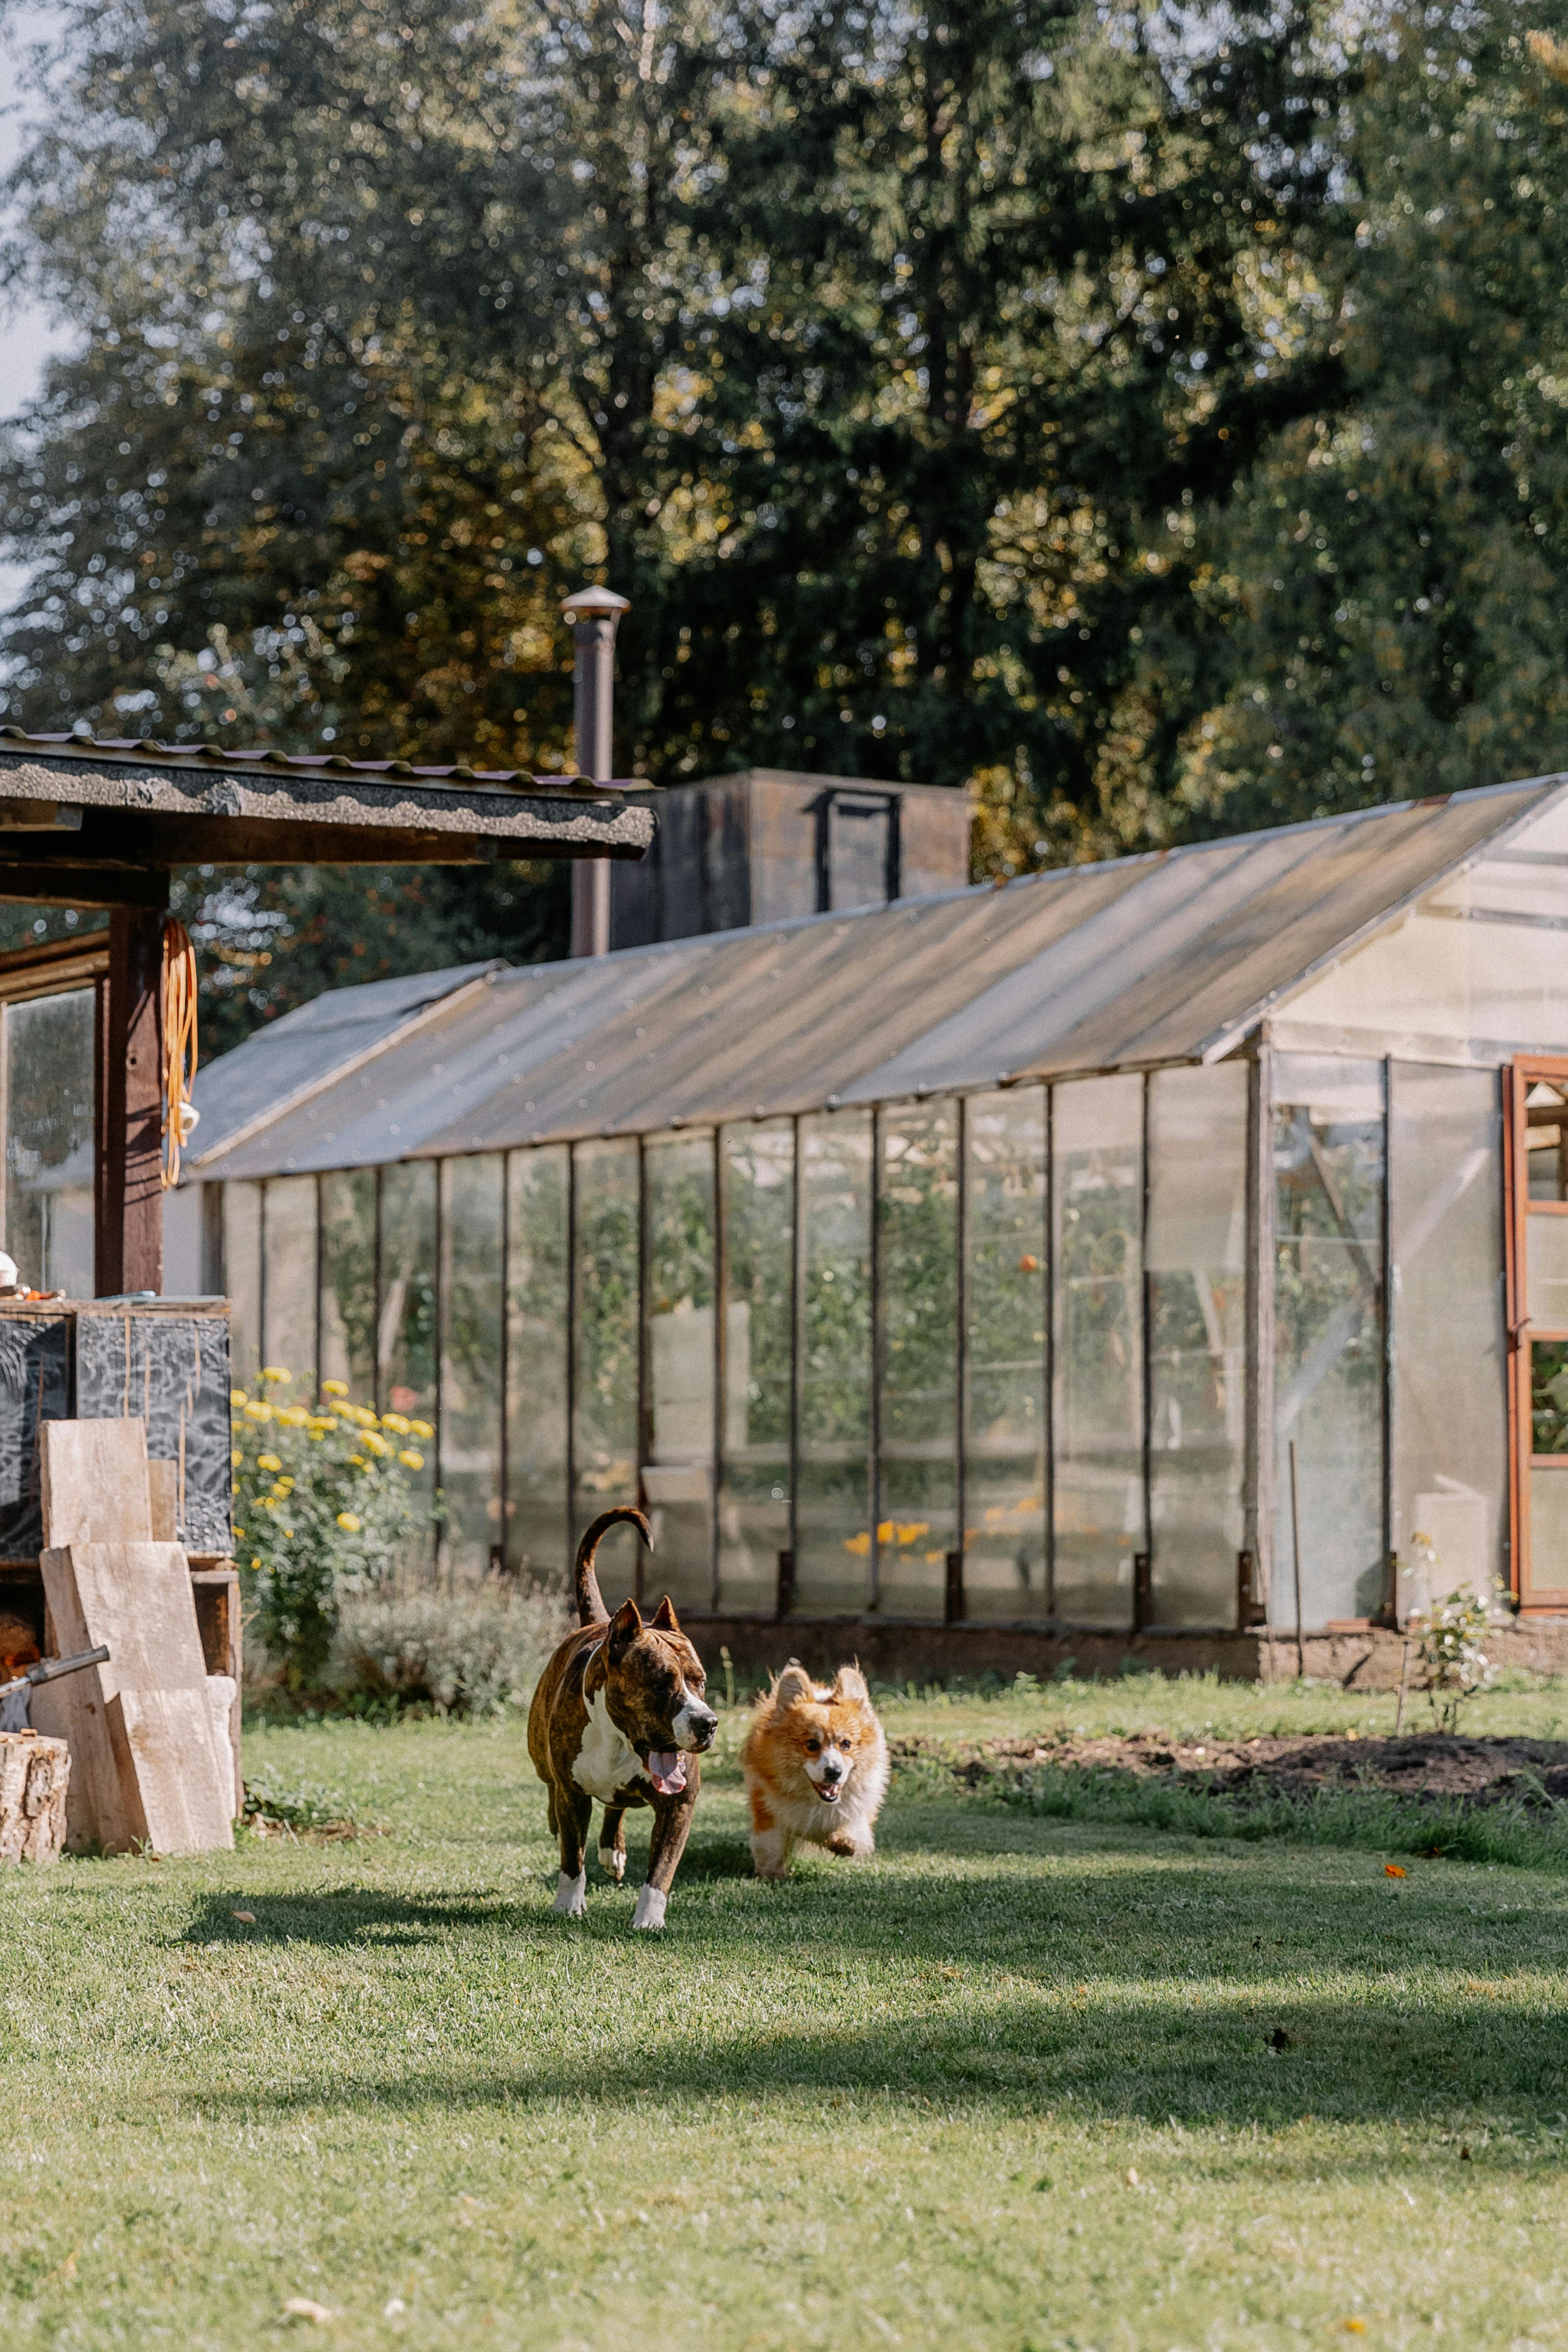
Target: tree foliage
[{"x": 1149, "y": 415}]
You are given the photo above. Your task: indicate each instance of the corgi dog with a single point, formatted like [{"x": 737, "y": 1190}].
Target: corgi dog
[{"x": 816, "y": 1765}]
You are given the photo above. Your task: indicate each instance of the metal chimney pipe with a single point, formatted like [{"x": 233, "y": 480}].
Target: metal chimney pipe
[{"x": 594, "y": 614}]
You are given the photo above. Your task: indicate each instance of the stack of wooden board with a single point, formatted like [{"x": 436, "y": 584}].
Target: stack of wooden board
[{"x": 152, "y": 1764}]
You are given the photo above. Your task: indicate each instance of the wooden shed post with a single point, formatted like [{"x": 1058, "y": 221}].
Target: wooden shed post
[{"x": 128, "y": 1223}]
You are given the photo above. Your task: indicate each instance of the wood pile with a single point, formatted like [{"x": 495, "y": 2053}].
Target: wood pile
[{"x": 152, "y": 1763}]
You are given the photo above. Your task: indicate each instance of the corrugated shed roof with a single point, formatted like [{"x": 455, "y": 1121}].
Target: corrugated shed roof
[{"x": 1173, "y": 957}]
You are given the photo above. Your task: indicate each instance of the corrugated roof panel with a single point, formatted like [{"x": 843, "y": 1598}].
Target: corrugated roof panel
[{"x": 1134, "y": 962}]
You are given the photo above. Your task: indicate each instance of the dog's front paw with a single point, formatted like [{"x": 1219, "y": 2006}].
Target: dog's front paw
[
  {"x": 612, "y": 1862},
  {"x": 650, "y": 1910},
  {"x": 572, "y": 1895}
]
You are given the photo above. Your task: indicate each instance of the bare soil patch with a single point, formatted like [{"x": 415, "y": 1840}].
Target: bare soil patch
[{"x": 1424, "y": 1764}]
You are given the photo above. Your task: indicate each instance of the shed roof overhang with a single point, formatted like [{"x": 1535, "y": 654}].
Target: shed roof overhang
[{"x": 89, "y": 824}]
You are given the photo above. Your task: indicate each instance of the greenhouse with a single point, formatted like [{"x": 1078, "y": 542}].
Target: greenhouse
[{"x": 1152, "y": 1244}]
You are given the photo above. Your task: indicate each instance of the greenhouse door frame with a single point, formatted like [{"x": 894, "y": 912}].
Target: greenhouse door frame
[{"x": 1523, "y": 1461}]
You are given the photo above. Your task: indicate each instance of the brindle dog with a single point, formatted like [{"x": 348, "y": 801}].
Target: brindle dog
[{"x": 619, "y": 1714}]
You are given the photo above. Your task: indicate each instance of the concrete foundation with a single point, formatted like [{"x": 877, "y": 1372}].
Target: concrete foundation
[{"x": 890, "y": 1650}]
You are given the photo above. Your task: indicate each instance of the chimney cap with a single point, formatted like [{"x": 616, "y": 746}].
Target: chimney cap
[{"x": 594, "y": 603}]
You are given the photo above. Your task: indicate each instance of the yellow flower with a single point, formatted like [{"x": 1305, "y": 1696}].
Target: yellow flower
[
  {"x": 420, "y": 1429},
  {"x": 268, "y": 1462},
  {"x": 293, "y": 1416},
  {"x": 270, "y": 1502},
  {"x": 318, "y": 1437},
  {"x": 255, "y": 1558},
  {"x": 239, "y": 1531},
  {"x": 859, "y": 1545},
  {"x": 275, "y": 1372},
  {"x": 288, "y": 1531},
  {"x": 237, "y": 1396},
  {"x": 410, "y": 1460},
  {"x": 395, "y": 1421},
  {"x": 349, "y": 1522},
  {"x": 334, "y": 1388},
  {"x": 376, "y": 1444},
  {"x": 258, "y": 1412},
  {"x": 236, "y": 1458},
  {"x": 358, "y": 1460},
  {"x": 285, "y": 1485}
]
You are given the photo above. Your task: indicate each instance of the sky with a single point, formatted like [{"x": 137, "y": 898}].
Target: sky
[{"x": 27, "y": 333}]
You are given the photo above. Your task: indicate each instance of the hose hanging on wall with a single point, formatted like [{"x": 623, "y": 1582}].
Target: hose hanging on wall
[{"x": 178, "y": 1004}]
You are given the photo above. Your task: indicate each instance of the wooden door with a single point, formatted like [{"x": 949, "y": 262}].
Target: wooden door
[{"x": 1536, "y": 1141}]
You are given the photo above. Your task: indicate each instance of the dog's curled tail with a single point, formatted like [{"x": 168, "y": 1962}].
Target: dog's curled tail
[{"x": 590, "y": 1609}]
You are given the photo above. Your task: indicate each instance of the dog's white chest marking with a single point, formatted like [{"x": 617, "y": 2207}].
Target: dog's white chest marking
[{"x": 606, "y": 1760}]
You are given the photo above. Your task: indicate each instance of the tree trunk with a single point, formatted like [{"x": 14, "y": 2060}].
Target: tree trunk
[{"x": 34, "y": 1772}]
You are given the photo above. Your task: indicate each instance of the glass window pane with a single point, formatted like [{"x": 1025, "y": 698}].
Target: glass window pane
[
  {"x": 1548, "y": 1394},
  {"x": 757, "y": 1174},
  {"x": 833, "y": 1561},
  {"x": 1195, "y": 1257},
  {"x": 917, "y": 1486},
  {"x": 1450, "y": 1416},
  {"x": 242, "y": 1277},
  {"x": 1005, "y": 1357},
  {"x": 473, "y": 1207},
  {"x": 537, "y": 1543},
  {"x": 1546, "y": 1141},
  {"x": 1097, "y": 1149},
  {"x": 1328, "y": 1144},
  {"x": 605, "y": 1407},
  {"x": 49, "y": 1141},
  {"x": 348, "y": 1282},
  {"x": 1549, "y": 1529},
  {"x": 1546, "y": 1272},
  {"x": 678, "y": 1476},
  {"x": 405, "y": 1315},
  {"x": 288, "y": 1291}
]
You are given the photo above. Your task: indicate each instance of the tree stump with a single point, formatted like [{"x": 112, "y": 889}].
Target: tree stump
[{"x": 33, "y": 1775}]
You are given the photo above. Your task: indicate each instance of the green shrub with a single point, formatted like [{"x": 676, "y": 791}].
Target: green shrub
[
  {"x": 466, "y": 1652},
  {"x": 322, "y": 1506}
]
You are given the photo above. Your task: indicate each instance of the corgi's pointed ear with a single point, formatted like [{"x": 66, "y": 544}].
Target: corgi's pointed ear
[
  {"x": 665, "y": 1620},
  {"x": 793, "y": 1685},
  {"x": 850, "y": 1683},
  {"x": 625, "y": 1627}
]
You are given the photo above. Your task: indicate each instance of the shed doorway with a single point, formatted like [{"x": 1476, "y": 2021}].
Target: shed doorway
[{"x": 1538, "y": 1327}]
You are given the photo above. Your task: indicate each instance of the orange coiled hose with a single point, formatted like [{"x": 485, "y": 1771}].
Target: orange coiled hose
[{"x": 178, "y": 1004}]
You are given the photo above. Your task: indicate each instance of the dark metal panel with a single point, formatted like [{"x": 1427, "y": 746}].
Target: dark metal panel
[
  {"x": 35, "y": 1386},
  {"x": 171, "y": 1372}
]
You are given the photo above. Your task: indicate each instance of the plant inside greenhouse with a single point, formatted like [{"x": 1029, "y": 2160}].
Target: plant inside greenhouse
[{"x": 324, "y": 1503}]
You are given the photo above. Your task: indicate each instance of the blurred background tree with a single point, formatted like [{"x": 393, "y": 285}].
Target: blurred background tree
[{"x": 1150, "y": 417}]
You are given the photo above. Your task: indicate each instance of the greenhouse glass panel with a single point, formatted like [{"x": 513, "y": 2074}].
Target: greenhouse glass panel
[
  {"x": 473, "y": 1210},
  {"x": 289, "y": 1294},
  {"x": 604, "y": 1405},
  {"x": 348, "y": 1282},
  {"x": 1328, "y": 1145},
  {"x": 242, "y": 1278},
  {"x": 1005, "y": 1566},
  {"x": 833, "y": 1506},
  {"x": 917, "y": 1523},
  {"x": 678, "y": 1476},
  {"x": 1196, "y": 1258},
  {"x": 405, "y": 1316},
  {"x": 1096, "y": 1163},
  {"x": 536, "y": 1363},
  {"x": 757, "y": 1178},
  {"x": 1450, "y": 1422},
  {"x": 48, "y": 1173}
]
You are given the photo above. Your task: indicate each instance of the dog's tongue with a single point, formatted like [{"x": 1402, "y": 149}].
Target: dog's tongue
[{"x": 667, "y": 1767}]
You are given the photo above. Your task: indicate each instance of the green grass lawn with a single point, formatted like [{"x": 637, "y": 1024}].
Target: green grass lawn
[{"x": 1019, "y": 2082}]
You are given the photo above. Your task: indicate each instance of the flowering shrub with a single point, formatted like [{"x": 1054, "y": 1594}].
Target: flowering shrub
[
  {"x": 322, "y": 1505},
  {"x": 1448, "y": 1644}
]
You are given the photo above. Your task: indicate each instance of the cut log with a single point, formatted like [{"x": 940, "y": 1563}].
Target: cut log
[{"x": 34, "y": 1776}]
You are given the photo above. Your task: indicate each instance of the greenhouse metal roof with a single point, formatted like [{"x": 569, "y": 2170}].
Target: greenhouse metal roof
[{"x": 1171, "y": 957}]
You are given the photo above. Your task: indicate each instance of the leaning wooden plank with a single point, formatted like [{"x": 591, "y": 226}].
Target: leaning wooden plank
[
  {"x": 95, "y": 1483},
  {"x": 185, "y": 1800},
  {"x": 137, "y": 1597},
  {"x": 34, "y": 1772}
]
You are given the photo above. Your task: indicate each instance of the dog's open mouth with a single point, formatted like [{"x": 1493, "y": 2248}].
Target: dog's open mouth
[
  {"x": 830, "y": 1791},
  {"x": 667, "y": 1770}
]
